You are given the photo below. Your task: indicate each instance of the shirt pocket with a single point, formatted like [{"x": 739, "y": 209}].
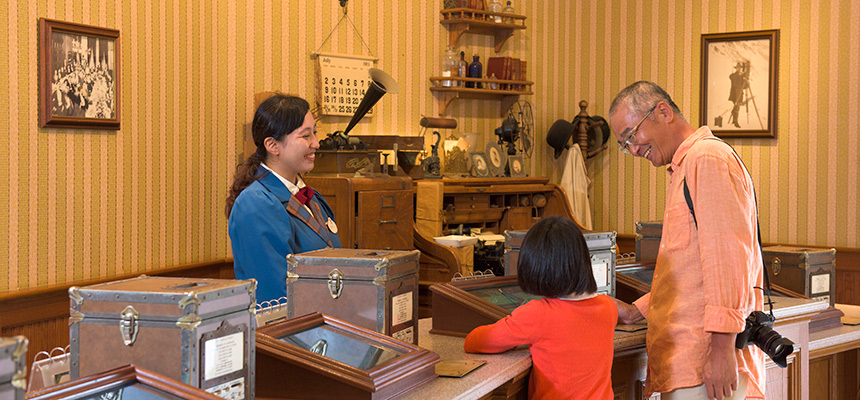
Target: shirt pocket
[{"x": 676, "y": 228}]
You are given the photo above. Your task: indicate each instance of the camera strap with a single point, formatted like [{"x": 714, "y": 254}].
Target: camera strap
[{"x": 689, "y": 199}]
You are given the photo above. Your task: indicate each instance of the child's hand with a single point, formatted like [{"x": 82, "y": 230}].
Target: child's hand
[{"x": 627, "y": 313}]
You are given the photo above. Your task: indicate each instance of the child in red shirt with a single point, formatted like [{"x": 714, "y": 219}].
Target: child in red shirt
[{"x": 570, "y": 331}]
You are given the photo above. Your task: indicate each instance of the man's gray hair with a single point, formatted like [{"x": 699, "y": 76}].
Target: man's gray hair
[{"x": 641, "y": 96}]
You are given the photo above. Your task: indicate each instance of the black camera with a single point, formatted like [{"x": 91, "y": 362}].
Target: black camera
[{"x": 759, "y": 330}]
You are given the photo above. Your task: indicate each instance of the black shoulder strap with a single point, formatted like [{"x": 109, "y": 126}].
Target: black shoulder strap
[{"x": 690, "y": 202}]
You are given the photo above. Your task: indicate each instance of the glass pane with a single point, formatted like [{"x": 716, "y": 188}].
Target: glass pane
[
  {"x": 508, "y": 297},
  {"x": 342, "y": 346},
  {"x": 645, "y": 275}
]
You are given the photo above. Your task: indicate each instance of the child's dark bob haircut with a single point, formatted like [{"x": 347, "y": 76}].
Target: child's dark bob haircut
[{"x": 554, "y": 260}]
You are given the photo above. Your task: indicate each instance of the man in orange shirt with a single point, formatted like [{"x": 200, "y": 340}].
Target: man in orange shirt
[{"x": 708, "y": 264}]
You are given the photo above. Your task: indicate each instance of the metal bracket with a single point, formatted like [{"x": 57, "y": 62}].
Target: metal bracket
[
  {"x": 776, "y": 265},
  {"x": 335, "y": 283},
  {"x": 75, "y": 295},
  {"x": 189, "y": 298},
  {"x": 128, "y": 325},
  {"x": 75, "y": 316},
  {"x": 189, "y": 322},
  {"x": 383, "y": 263}
]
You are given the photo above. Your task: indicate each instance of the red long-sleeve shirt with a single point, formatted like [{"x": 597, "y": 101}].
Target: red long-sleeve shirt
[{"x": 570, "y": 343}]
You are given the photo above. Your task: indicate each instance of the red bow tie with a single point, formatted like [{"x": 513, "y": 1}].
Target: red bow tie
[{"x": 305, "y": 195}]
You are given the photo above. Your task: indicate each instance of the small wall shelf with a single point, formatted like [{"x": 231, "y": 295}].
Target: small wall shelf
[
  {"x": 446, "y": 94},
  {"x": 462, "y": 20}
]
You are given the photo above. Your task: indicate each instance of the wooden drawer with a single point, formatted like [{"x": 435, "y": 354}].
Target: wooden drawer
[
  {"x": 465, "y": 202},
  {"x": 384, "y": 220}
]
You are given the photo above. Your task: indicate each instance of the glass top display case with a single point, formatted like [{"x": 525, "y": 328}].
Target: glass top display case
[
  {"x": 635, "y": 279},
  {"x": 459, "y": 307},
  {"x": 123, "y": 383},
  {"x": 318, "y": 356}
]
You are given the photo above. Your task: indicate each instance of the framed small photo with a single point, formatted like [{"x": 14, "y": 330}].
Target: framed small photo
[
  {"x": 739, "y": 82},
  {"x": 516, "y": 168},
  {"x": 480, "y": 165},
  {"x": 78, "y": 76}
]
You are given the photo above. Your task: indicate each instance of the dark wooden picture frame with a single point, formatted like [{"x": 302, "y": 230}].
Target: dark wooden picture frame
[
  {"x": 739, "y": 83},
  {"x": 79, "y": 76}
]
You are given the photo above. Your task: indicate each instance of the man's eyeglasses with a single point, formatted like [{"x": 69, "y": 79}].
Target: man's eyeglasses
[{"x": 630, "y": 140}]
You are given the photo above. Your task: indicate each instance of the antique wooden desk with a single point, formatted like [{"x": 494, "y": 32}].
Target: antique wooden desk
[{"x": 490, "y": 204}]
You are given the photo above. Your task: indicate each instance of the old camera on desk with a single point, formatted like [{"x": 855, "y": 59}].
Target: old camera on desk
[{"x": 759, "y": 330}]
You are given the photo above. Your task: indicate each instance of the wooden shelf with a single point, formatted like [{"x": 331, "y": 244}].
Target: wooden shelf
[
  {"x": 462, "y": 20},
  {"x": 446, "y": 94}
]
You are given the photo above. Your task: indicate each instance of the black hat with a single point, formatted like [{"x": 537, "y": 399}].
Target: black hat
[{"x": 558, "y": 135}]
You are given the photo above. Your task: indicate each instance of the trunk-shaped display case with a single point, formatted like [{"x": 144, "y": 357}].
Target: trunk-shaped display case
[
  {"x": 13, "y": 367},
  {"x": 374, "y": 289},
  {"x": 197, "y": 331}
]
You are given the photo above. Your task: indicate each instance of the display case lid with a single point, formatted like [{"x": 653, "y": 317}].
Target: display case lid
[
  {"x": 343, "y": 351},
  {"x": 599, "y": 240},
  {"x": 13, "y": 353},
  {"x": 128, "y": 382},
  {"x": 514, "y": 238},
  {"x": 353, "y": 264},
  {"x": 164, "y": 297},
  {"x": 799, "y": 256},
  {"x": 649, "y": 228}
]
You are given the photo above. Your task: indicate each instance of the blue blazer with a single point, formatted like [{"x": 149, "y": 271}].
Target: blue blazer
[{"x": 263, "y": 233}]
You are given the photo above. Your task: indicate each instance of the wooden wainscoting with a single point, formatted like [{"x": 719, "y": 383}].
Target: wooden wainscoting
[{"x": 42, "y": 314}]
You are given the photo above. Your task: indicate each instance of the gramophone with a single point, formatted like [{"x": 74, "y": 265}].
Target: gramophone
[{"x": 339, "y": 153}]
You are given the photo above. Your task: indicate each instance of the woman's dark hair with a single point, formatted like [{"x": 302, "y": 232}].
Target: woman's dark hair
[
  {"x": 554, "y": 260},
  {"x": 276, "y": 117}
]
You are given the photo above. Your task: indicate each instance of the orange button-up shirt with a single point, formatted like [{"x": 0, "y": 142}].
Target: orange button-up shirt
[{"x": 704, "y": 278}]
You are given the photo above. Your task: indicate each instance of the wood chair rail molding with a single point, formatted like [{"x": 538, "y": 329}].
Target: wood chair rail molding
[{"x": 41, "y": 314}]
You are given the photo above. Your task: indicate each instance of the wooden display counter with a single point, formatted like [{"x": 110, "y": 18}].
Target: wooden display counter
[
  {"x": 506, "y": 375},
  {"x": 834, "y": 359}
]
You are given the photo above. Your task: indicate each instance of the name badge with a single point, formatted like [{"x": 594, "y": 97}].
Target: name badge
[{"x": 331, "y": 225}]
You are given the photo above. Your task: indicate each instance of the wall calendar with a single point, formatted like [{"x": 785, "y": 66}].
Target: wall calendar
[{"x": 342, "y": 80}]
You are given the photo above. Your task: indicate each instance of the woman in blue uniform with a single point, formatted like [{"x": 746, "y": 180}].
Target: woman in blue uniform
[{"x": 272, "y": 213}]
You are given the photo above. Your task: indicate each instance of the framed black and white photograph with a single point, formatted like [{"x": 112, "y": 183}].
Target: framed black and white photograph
[
  {"x": 739, "y": 83},
  {"x": 79, "y": 76},
  {"x": 480, "y": 165},
  {"x": 516, "y": 168}
]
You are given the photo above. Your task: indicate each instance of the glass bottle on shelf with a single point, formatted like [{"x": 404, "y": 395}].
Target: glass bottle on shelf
[
  {"x": 508, "y": 10},
  {"x": 495, "y": 7},
  {"x": 475, "y": 71},
  {"x": 462, "y": 68},
  {"x": 493, "y": 84},
  {"x": 450, "y": 66}
]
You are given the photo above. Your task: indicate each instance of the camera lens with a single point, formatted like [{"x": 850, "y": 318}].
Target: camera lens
[{"x": 774, "y": 345}]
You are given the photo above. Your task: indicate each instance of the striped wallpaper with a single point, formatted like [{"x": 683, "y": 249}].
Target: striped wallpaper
[{"x": 77, "y": 204}]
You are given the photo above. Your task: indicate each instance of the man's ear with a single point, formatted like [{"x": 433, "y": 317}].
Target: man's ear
[
  {"x": 271, "y": 145},
  {"x": 666, "y": 112}
]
